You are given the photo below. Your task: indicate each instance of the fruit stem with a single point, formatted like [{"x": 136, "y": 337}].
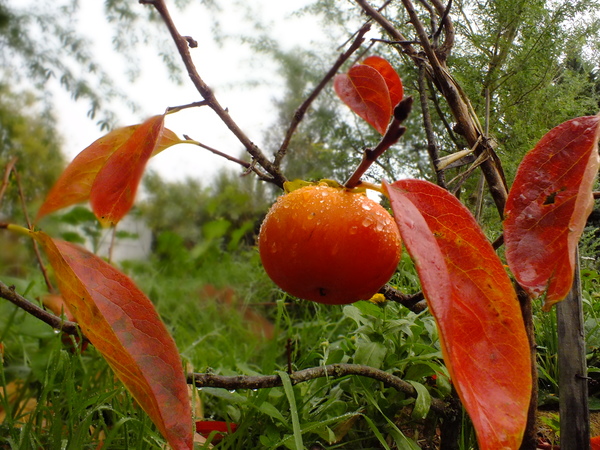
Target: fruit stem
[{"x": 364, "y": 185}]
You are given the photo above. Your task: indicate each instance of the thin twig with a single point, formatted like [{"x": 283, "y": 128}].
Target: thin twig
[
  {"x": 183, "y": 46},
  {"x": 445, "y": 23},
  {"x": 6, "y": 178},
  {"x": 54, "y": 321},
  {"x": 113, "y": 241},
  {"x": 432, "y": 147},
  {"x": 174, "y": 109},
  {"x": 329, "y": 371},
  {"x": 246, "y": 165},
  {"x": 368, "y": 21},
  {"x": 392, "y": 135},
  {"x": 36, "y": 247},
  {"x": 299, "y": 114}
]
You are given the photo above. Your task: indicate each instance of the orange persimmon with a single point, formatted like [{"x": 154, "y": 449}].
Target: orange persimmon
[{"x": 329, "y": 245}]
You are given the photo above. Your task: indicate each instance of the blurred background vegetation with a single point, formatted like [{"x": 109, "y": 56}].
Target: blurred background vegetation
[{"x": 533, "y": 63}]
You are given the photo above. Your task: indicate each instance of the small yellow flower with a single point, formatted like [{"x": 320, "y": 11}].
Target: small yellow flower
[{"x": 377, "y": 298}]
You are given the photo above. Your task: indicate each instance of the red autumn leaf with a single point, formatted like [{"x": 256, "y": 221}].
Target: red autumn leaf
[
  {"x": 391, "y": 77},
  {"x": 205, "y": 427},
  {"x": 75, "y": 183},
  {"x": 548, "y": 205},
  {"x": 121, "y": 322},
  {"x": 482, "y": 335},
  {"x": 365, "y": 91}
]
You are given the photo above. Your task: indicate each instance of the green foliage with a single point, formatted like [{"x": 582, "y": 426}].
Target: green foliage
[
  {"x": 27, "y": 136},
  {"x": 28, "y": 133},
  {"x": 188, "y": 219}
]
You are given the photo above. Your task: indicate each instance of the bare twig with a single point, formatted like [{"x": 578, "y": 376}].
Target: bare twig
[
  {"x": 299, "y": 114},
  {"x": 432, "y": 147},
  {"x": 183, "y": 46},
  {"x": 242, "y": 163},
  {"x": 174, "y": 109},
  {"x": 113, "y": 240},
  {"x": 56, "y": 322},
  {"x": 445, "y": 24},
  {"x": 392, "y": 135},
  {"x": 330, "y": 371},
  {"x": 36, "y": 247}
]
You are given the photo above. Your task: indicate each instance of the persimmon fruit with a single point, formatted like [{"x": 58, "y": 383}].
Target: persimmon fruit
[{"x": 329, "y": 245}]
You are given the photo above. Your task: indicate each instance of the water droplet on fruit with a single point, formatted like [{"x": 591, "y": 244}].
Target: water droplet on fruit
[
  {"x": 353, "y": 229},
  {"x": 367, "y": 222},
  {"x": 274, "y": 247},
  {"x": 366, "y": 207}
]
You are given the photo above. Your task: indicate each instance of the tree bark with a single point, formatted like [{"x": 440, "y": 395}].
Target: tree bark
[{"x": 573, "y": 391}]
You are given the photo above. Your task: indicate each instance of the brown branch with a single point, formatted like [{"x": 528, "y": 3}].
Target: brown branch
[
  {"x": 183, "y": 46},
  {"x": 432, "y": 147},
  {"x": 330, "y": 371},
  {"x": 392, "y": 135},
  {"x": 54, "y": 321},
  {"x": 445, "y": 24},
  {"x": 413, "y": 302},
  {"x": 299, "y": 114},
  {"x": 467, "y": 122}
]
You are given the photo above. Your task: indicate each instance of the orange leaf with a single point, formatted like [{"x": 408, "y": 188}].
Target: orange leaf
[
  {"x": 75, "y": 183},
  {"x": 482, "y": 335},
  {"x": 391, "y": 77},
  {"x": 548, "y": 205},
  {"x": 365, "y": 91},
  {"x": 114, "y": 188},
  {"x": 121, "y": 322},
  {"x": 595, "y": 443}
]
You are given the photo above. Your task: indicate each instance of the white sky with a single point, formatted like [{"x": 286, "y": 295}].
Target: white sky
[{"x": 221, "y": 68}]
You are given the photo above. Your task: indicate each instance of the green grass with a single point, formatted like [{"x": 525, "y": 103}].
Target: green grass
[
  {"x": 76, "y": 402},
  {"x": 66, "y": 398}
]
